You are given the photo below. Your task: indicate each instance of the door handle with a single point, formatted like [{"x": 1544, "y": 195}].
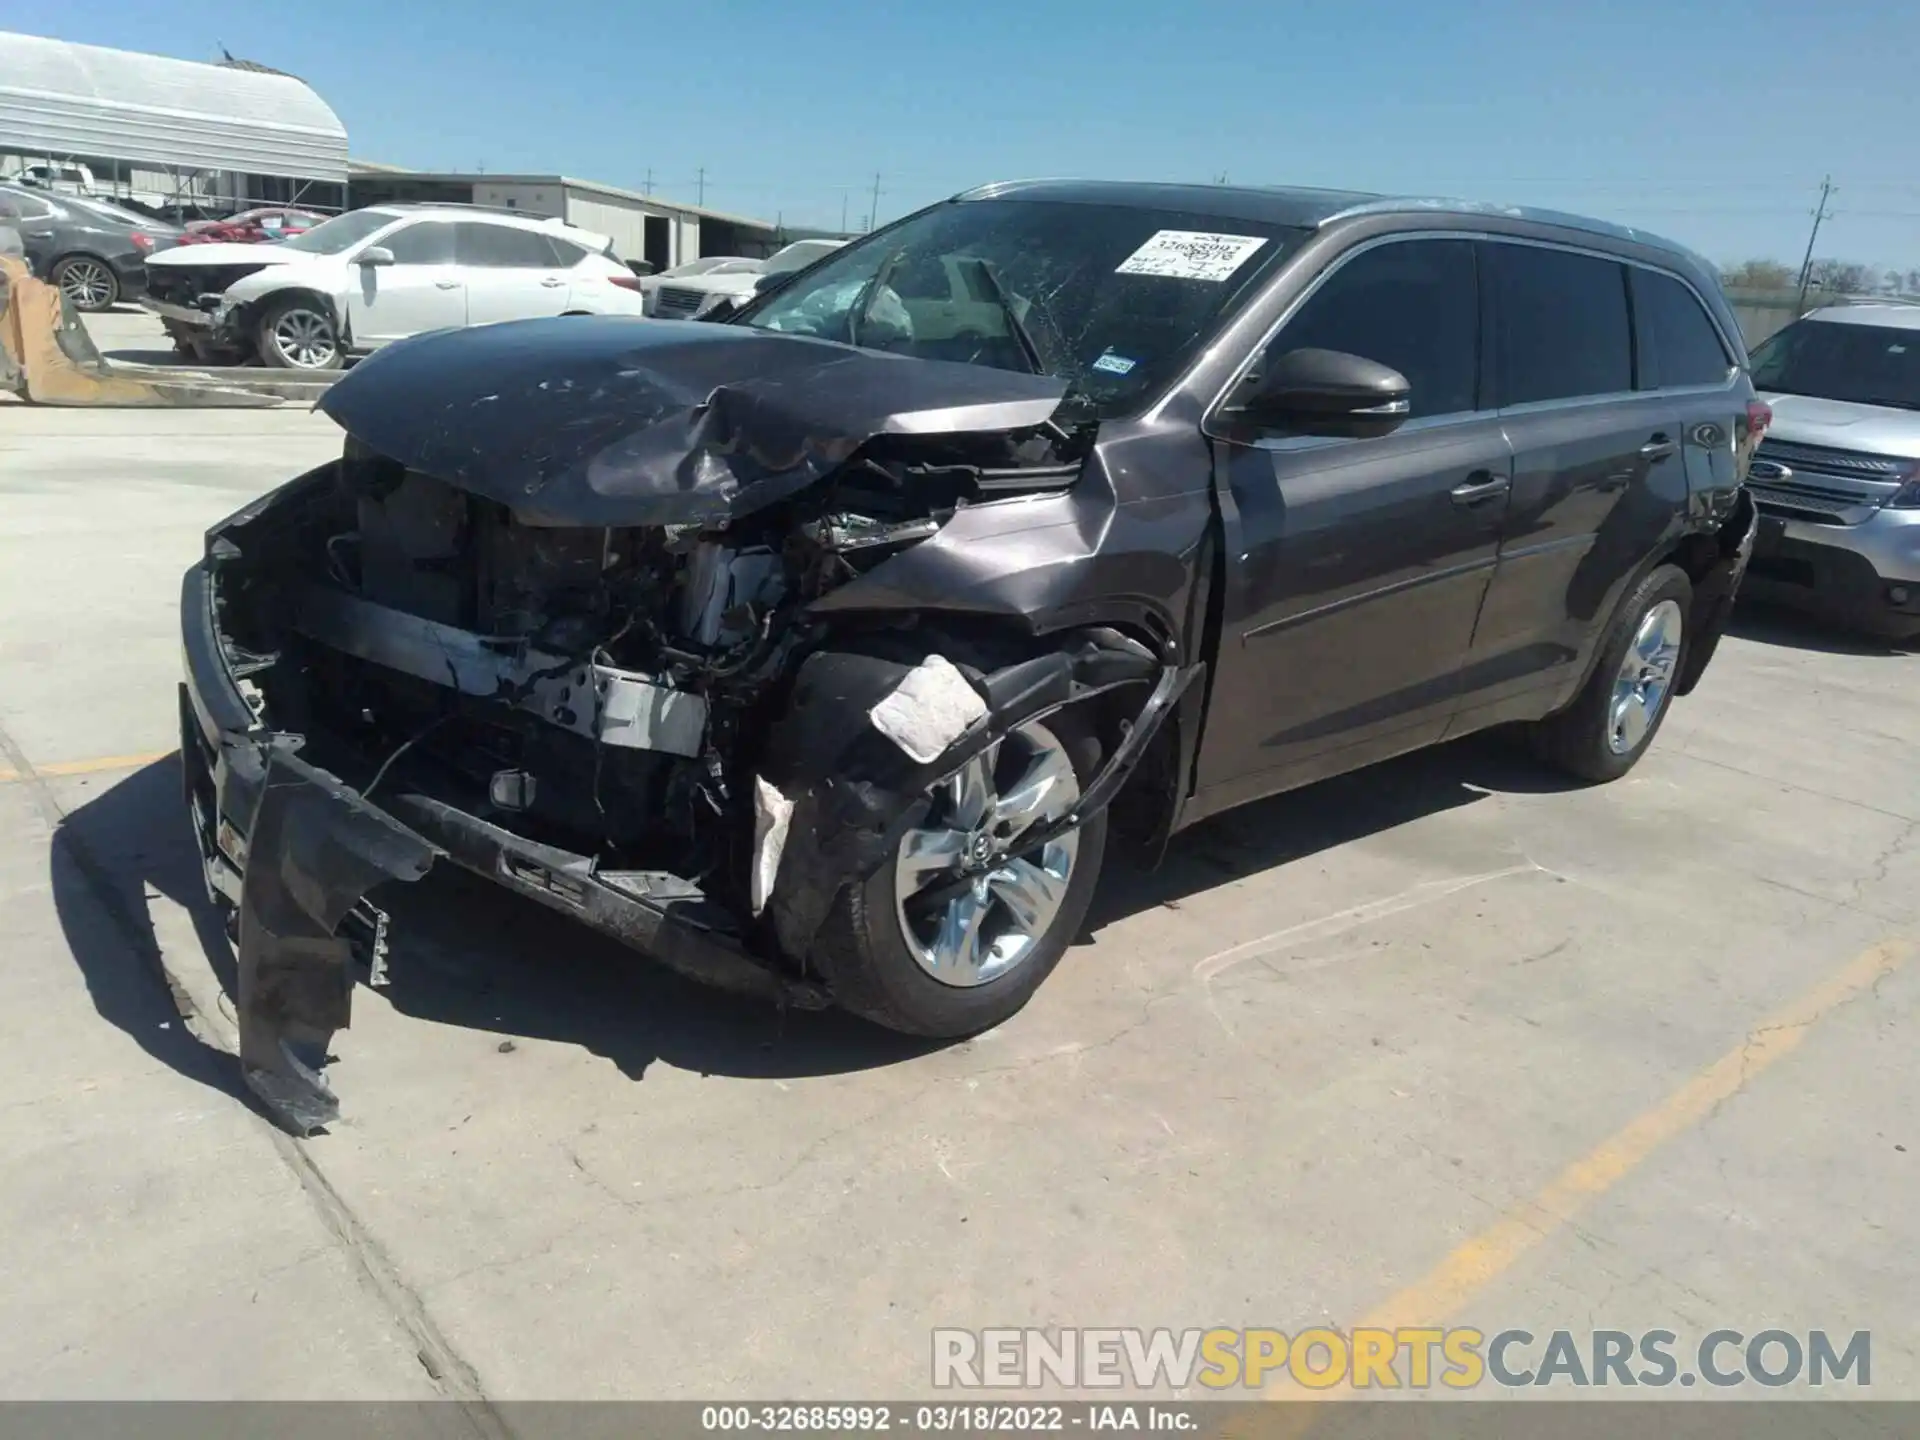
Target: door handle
[
  {"x": 1473, "y": 491},
  {"x": 1658, "y": 448},
  {"x": 551, "y": 283},
  {"x": 446, "y": 284}
]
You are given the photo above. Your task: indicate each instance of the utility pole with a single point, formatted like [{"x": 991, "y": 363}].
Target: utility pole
[
  {"x": 1806, "y": 264},
  {"x": 647, "y": 189},
  {"x": 873, "y": 212},
  {"x": 701, "y": 193},
  {"x": 843, "y": 212}
]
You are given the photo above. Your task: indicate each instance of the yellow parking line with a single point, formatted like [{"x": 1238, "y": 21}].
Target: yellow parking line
[
  {"x": 1442, "y": 1291},
  {"x": 86, "y": 767}
]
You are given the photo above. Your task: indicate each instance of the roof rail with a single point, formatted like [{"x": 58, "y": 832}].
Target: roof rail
[
  {"x": 1404, "y": 204},
  {"x": 459, "y": 205}
]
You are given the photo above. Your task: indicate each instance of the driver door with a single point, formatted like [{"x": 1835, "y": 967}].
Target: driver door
[
  {"x": 1356, "y": 567},
  {"x": 420, "y": 291}
]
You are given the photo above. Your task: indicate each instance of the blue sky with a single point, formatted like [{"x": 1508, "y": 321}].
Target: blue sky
[{"x": 1706, "y": 120}]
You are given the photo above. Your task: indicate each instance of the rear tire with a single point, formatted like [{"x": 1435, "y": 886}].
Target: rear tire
[
  {"x": 87, "y": 281},
  {"x": 1611, "y": 723},
  {"x": 884, "y": 966}
]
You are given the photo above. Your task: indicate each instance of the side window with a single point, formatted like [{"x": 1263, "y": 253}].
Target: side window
[
  {"x": 1561, "y": 324},
  {"x": 427, "y": 243},
  {"x": 26, "y": 207},
  {"x": 1411, "y": 304},
  {"x": 566, "y": 253},
  {"x": 1678, "y": 343},
  {"x": 502, "y": 247}
]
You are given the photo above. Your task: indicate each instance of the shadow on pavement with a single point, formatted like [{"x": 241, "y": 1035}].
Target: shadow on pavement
[
  {"x": 1303, "y": 823},
  {"x": 466, "y": 953},
  {"x": 104, "y": 864},
  {"x": 1772, "y": 624}
]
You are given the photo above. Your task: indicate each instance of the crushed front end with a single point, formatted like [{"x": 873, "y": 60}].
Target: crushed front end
[{"x": 618, "y": 720}]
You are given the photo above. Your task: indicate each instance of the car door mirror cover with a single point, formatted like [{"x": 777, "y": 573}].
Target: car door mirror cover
[
  {"x": 1325, "y": 392},
  {"x": 374, "y": 255}
]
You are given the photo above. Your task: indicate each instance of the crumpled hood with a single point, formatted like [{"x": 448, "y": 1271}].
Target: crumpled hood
[
  {"x": 610, "y": 420},
  {"x": 228, "y": 252}
]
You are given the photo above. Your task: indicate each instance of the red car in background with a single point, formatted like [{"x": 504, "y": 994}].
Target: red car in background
[{"x": 252, "y": 227}]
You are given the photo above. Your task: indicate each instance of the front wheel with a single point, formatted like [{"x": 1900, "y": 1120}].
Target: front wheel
[
  {"x": 965, "y": 961},
  {"x": 89, "y": 284},
  {"x": 1612, "y": 721},
  {"x": 297, "y": 334}
]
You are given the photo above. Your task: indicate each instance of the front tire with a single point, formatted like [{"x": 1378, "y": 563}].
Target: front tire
[
  {"x": 298, "y": 334},
  {"x": 88, "y": 282},
  {"x": 1612, "y": 721},
  {"x": 974, "y": 960}
]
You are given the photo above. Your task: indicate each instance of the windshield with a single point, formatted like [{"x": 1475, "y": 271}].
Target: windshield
[
  {"x": 1115, "y": 298},
  {"x": 340, "y": 232},
  {"x": 1866, "y": 364}
]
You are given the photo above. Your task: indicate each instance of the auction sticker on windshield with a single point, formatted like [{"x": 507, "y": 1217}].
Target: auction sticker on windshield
[{"x": 1191, "y": 255}]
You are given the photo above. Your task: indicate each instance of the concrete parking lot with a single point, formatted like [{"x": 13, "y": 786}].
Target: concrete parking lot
[{"x": 1444, "y": 1042}]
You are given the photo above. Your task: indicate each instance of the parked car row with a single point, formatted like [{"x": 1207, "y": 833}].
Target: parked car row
[{"x": 369, "y": 277}]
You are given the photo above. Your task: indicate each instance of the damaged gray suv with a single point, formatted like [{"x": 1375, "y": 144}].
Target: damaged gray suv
[{"x": 811, "y": 650}]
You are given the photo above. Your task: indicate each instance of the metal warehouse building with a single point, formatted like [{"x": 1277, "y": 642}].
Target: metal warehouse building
[
  {"x": 641, "y": 227},
  {"x": 149, "y": 126}
]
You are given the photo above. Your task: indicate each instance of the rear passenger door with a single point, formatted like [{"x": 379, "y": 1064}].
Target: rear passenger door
[
  {"x": 1597, "y": 474},
  {"x": 511, "y": 273}
]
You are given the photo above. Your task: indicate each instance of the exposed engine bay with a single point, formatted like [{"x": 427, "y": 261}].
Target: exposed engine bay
[{"x": 605, "y": 689}]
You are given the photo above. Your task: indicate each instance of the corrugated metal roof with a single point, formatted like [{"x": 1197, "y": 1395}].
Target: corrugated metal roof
[{"x": 58, "y": 99}]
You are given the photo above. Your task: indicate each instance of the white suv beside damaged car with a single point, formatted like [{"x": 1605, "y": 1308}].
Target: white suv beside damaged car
[{"x": 381, "y": 274}]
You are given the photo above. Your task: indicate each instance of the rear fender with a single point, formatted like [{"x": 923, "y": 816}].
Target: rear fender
[{"x": 1715, "y": 591}]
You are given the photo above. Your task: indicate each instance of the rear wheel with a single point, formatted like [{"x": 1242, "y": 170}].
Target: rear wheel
[
  {"x": 297, "y": 334},
  {"x": 1612, "y": 721},
  {"x": 88, "y": 283},
  {"x": 966, "y": 961}
]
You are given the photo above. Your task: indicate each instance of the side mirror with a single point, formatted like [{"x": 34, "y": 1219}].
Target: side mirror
[
  {"x": 767, "y": 282},
  {"x": 374, "y": 255},
  {"x": 1327, "y": 392}
]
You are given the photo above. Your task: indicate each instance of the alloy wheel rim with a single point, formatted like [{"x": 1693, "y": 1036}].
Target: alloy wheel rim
[
  {"x": 305, "y": 338},
  {"x": 993, "y": 925},
  {"x": 86, "y": 283},
  {"x": 1645, "y": 678}
]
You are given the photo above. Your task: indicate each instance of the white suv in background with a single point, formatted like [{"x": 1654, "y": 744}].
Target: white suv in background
[
  {"x": 372, "y": 276},
  {"x": 690, "y": 297}
]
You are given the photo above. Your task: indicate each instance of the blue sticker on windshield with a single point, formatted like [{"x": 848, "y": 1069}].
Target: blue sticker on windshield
[{"x": 1114, "y": 364}]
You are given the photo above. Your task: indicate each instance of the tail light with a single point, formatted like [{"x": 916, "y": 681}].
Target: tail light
[
  {"x": 142, "y": 243},
  {"x": 626, "y": 282},
  {"x": 1759, "y": 417}
]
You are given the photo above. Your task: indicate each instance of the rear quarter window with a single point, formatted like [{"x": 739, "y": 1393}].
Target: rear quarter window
[{"x": 1679, "y": 344}]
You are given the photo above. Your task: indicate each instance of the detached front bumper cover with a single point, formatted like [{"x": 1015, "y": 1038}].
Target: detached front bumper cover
[{"x": 314, "y": 851}]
